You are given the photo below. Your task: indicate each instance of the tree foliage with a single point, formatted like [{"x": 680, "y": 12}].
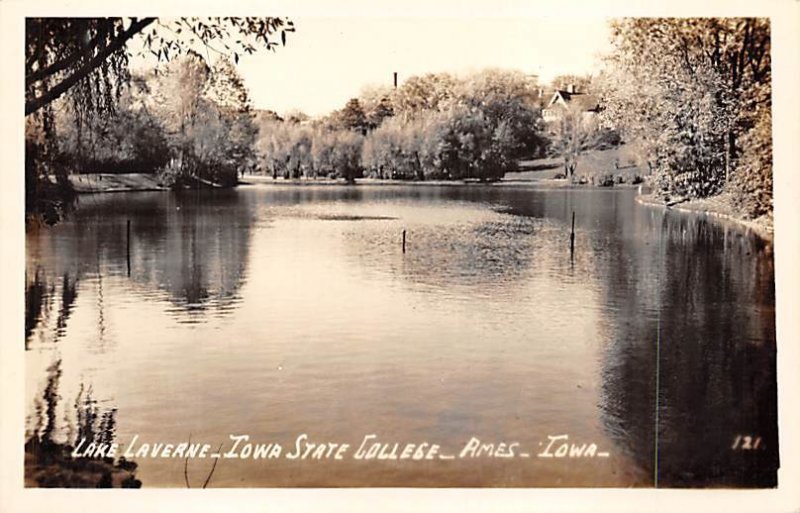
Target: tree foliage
[
  {"x": 432, "y": 127},
  {"x": 208, "y": 118},
  {"x": 581, "y": 83},
  {"x": 83, "y": 62},
  {"x": 92, "y": 53},
  {"x": 458, "y": 128},
  {"x": 698, "y": 91},
  {"x": 291, "y": 150},
  {"x": 574, "y": 132}
]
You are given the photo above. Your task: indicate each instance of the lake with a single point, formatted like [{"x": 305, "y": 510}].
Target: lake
[{"x": 276, "y": 311}]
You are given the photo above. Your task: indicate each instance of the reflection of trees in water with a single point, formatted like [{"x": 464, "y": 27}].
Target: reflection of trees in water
[
  {"x": 709, "y": 288},
  {"x": 68, "y": 295},
  {"x": 40, "y": 297},
  {"x": 48, "y": 449},
  {"x": 192, "y": 245},
  {"x": 37, "y": 295},
  {"x": 714, "y": 319}
]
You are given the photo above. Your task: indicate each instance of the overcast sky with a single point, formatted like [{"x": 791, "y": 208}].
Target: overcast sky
[{"x": 329, "y": 60}]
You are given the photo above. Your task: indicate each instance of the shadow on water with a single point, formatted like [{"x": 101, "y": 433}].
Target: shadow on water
[
  {"x": 39, "y": 302},
  {"x": 709, "y": 340}
]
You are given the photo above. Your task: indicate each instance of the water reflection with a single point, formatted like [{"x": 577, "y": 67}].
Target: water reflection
[
  {"x": 286, "y": 309},
  {"x": 36, "y": 304},
  {"x": 192, "y": 248},
  {"x": 712, "y": 342},
  {"x": 50, "y": 441}
]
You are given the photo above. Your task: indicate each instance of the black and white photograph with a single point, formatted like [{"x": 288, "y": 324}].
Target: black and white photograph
[{"x": 397, "y": 252}]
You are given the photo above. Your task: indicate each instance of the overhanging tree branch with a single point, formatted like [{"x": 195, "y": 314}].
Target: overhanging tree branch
[
  {"x": 50, "y": 95},
  {"x": 60, "y": 65}
]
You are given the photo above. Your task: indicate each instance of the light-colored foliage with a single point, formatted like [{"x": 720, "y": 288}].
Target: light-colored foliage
[{"x": 693, "y": 90}]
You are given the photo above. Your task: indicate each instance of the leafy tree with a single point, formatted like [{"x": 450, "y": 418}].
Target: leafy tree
[
  {"x": 377, "y": 104},
  {"x": 379, "y": 112},
  {"x": 296, "y": 117},
  {"x": 581, "y": 83},
  {"x": 573, "y": 133},
  {"x": 467, "y": 128},
  {"x": 285, "y": 149},
  {"x": 352, "y": 117},
  {"x": 209, "y": 121},
  {"x": 263, "y": 116},
  {"x": 423, "y": 93},
  {"x": 90, "y": 53},
  {"x": 85, "y": 60},
  {"x": 695, "y": 89}
]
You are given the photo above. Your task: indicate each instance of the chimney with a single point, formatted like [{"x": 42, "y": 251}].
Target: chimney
[
  {"x": 395, "y": 80},
  {"x": 570, "y": 88}
]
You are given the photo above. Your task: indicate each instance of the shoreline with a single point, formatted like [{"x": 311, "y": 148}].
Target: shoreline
[
  {"x": 99, "y": 183},
  {"x": 717, "y": 207}
]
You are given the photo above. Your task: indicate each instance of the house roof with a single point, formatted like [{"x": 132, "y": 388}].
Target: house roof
[{"x": 585, "y": 101}]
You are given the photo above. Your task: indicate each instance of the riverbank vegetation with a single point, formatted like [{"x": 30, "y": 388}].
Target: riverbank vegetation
[
  {"x": 691, "y": 97},
  {"x": 434, "y": 126},
  {"x": 696, "y": 95}
]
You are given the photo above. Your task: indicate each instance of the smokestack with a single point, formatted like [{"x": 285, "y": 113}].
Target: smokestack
[{"x": 395, "y": 80}]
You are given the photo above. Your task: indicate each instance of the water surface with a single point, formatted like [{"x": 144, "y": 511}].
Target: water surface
[{"x": 274, "y": 311}]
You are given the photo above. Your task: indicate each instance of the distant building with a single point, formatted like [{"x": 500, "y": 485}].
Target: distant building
[{"x": 562, "y": 100}]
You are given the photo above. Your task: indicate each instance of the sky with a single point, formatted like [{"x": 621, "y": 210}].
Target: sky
[{"x": 330, "y": 60}]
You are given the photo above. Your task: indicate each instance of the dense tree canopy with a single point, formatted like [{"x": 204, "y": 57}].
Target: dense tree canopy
[
  {"x": 698, "y": 91},
  {"x": 436, "y": 126}
]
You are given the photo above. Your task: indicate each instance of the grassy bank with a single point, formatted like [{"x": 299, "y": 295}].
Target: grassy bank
[
  {"x": 105, "y": 182},
  {"x": 613, "y": 166}
]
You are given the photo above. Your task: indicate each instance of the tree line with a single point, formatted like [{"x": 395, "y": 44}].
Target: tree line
[
  {"x": 434, "y": 126},
  {"x": 693, "y": 94}
]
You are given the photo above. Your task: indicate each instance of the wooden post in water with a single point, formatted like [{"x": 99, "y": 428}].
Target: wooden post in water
[
  {"x": 129, "y": 246},
  {"x": 404, "y": 241},
  {"x": 572, "y": 236}
]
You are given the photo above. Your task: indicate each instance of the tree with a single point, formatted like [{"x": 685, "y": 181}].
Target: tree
[
  {"x": 433, "y": 91},
  {"x": 378, "y": 112},
  {"x": 472, "y": 128},
  {"x": 352, "y": 117},
  {"x": 377, "y": 104},
  {"x": 62, "y": 53},
  {"x": 296, "y": 117},
  {"x": 207, "y": 115},
  {"x": 695, "y": 89},
  {"x": 85, "y": 61},
  {"x": 573, "y": 133},
  {"x": 581, "y": 83}
]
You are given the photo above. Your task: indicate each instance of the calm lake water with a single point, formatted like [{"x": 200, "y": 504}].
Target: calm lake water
[{"x": 275, "y": 311}]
